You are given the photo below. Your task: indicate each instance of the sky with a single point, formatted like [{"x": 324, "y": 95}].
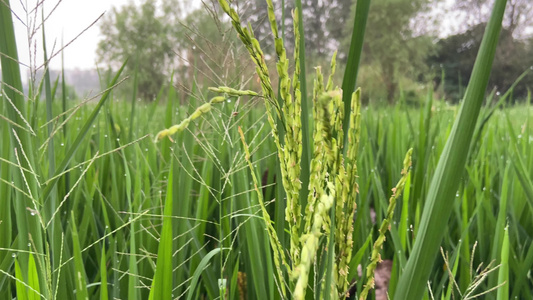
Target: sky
[{"x": 69, "y": 19}]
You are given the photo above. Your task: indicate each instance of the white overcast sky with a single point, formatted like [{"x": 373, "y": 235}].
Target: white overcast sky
[{"x": 67, "y": 21}]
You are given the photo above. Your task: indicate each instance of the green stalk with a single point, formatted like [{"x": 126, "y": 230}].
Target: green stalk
[
  {"x": 162, "y": 283},
  {"x": 446, "y": 179},
  {"x": 354, "y": 57},
  {"x": 26, "y": 225},
  {"x": 134, "y": 99},
  {"x": 306, "y": 144},
  {"x": 503, "y": 272}
]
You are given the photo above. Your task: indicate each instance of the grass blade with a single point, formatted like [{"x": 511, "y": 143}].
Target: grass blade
[
  {"x": 80, "y": 277},
  {"x": 22, "y": 293},
  {"x": 33, "y": 280},
  {"x": 445, "y": 182},
  {"x": 306, "y": 144},
  {"x": 162, "y": 285},
  {"x": 103, "y": 276},
  {"x": 354, "y": 57},
  {"x": 196, "y": 276},
  {"x": 503, "y": 273}
]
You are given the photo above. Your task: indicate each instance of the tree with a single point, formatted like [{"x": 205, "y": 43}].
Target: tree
[
  {"x": 209, "y": 49},
  {"x": 457, "y": 53},
  {"x": 324, "y": 22},
  {"x": 391, "y": 47},
  {"x": 518, "y": 14},
  {"x": 146, "y": 37}
]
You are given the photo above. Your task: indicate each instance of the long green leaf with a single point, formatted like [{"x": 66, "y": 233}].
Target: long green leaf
[
  {"x": 103, "y": 276},
  {"x": 306, "y": 144},
  {"x": 162, "y": 284},
  {"x": 503, "y": 272},
  {"x": 33, "y": 280},
  {"x": 79, "y": 266},
  {"x": 198, "y": 272},
  {"x": 22, "y": 293},
  {"x": 354, "y": 58},
  {"x": 447, "y": 177}
]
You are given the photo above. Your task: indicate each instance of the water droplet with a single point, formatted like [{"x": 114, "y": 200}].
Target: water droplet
[
  {"x": 146, "y": 149},
  {"x": 32, "y": 213},
  {"x": 118, "y": 139},
  {"x": 105, "y": 135},
  {"x": 519, "y": 136},
  {"x": 13, "y": 255},
  {"x": 62, "y": 145},
  {"x": 29, "y": 244},
  {"x": 457, "y": 195}
]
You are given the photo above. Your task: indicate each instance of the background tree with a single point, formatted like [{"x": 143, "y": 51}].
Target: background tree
[
  {"x": 324, "y": 21},
  {"x": 392, "y": 52},
  {"x": 456, "y": 57},
  {"x": 518, "y": 14},
  {"x": 210, "y": 53},
  {"x": 144, "y": 34}
]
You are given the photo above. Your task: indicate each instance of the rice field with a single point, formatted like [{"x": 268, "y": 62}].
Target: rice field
[{"x": 288, "y": 194}]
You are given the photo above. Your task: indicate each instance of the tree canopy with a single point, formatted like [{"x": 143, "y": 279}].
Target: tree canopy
[
  {"x": 400, "y": 54},
  {"x": 456, "y": 57},
  {"x": 144, "y": 35}
]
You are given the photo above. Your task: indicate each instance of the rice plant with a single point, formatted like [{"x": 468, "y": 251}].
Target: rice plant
[{"x": 274, "y": 194}]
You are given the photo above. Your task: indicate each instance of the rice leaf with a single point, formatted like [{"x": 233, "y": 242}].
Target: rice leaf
[
  {"x": 33, "y": 280},
  {"x": 162, "y": 284},
  {"x": 196, "y": 276},
  {"x": 80, "y": 276},
  {"x": 503, "y": 272},
  {"x": 22, "y": 293},
  {"x": 445, "y": 181}
]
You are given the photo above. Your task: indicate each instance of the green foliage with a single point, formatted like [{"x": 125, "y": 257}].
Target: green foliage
[
  {"x": 456, "y": 57},
  {"x": 322, "y": 35},
  {"x": 445, "y": 182},
  {"x": 145, "y": 37},
  {"x": 392, "y": 50}
]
